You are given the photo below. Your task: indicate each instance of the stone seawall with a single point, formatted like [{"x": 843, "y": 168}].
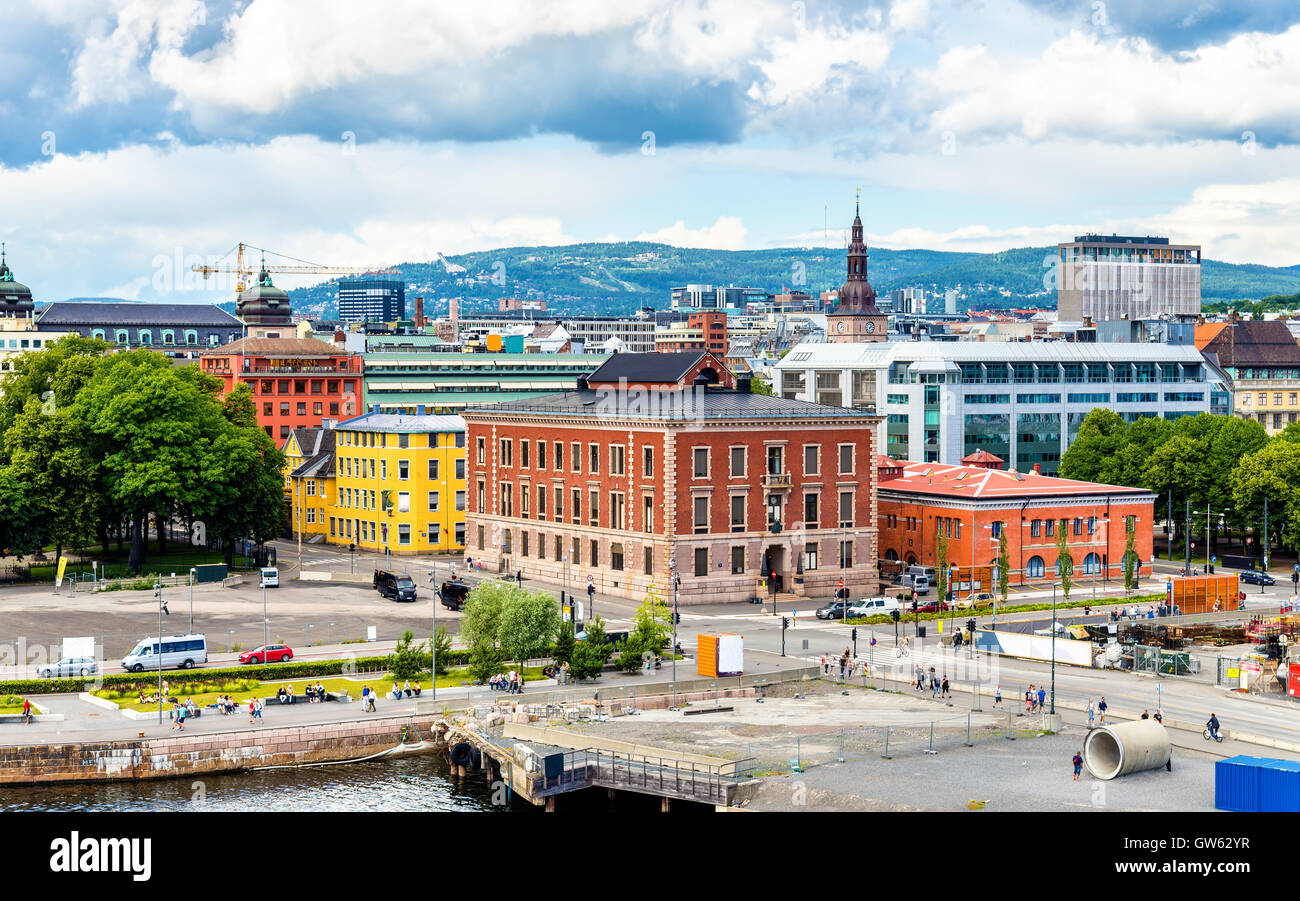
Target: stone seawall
[{"x": 224, "y": 752}]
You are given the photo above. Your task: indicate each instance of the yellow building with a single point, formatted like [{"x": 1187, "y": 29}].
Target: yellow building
[
  {"x": 309, "y": 480},
  {"x": 399, "y": 483}
]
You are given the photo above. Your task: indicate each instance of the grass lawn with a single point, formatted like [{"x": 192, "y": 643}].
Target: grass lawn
[
  {"x": 12, "y": 704},
  {"x": 242, "y": 690},
  {"x": 178, "y": 559}
]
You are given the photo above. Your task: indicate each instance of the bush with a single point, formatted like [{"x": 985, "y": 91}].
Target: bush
[{"x": 405, "y": 661}]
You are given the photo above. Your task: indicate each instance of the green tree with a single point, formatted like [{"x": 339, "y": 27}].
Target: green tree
[
  {"x": 484, "y": 661},
  {"x": 440, "y": 641},
  {"x": 1004, "y": 563},
  {"x": 1101, "y": 435},
  {"x": 590, "y": 654},
  {"x": 529, "y": 621},
  {"x": 652, "y": 624},
  {"x": 563, "y": 651},
  {"x": 1130, "y": 555},
  {"x": 631, "y": 653},
  {"x": 1273, "y": 471},
  {"x": 941, "y": 571},
  {"x": 1064, "y": 562},
  {"x": 406, "y": 661},
  {"x": 480, "y": 627},
  {"x": 759, "y": 385}
]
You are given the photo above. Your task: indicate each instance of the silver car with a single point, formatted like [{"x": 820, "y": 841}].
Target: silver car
[{"x": 68, "y": 666}]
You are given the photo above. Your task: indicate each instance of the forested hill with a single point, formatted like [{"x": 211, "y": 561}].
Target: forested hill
[{"x": 618, "y": 278}]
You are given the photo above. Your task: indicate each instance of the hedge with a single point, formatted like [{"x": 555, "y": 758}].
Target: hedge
[
  {"x": 963, "y": 615},
  {"x": 296, "y": 670}
]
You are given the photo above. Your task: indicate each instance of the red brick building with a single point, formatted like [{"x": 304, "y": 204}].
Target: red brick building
[
  {"x": 646, "y": 463},
  {"x": 971, "y": 503},
  {"x": 296, "y": 382},
  {"x": 702, "y": 331}
]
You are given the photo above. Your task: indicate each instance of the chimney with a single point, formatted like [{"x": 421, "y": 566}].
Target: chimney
[
  {"x": 340, "y": 339},
  {"x": 419, "y": 312},
  {"x": 453, "y": 310},
  {"x": 1038, "y": 469}
]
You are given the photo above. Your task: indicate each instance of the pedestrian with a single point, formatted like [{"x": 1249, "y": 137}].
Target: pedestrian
[
  {"x": 1090, "y": 713},
  {"x": 1042, "y": 699},
  {"x": 257, "y": 711},
  {"x": 1169, "y": 761},
  {"x": 997, "y": 698},
  {"x": 252, "y": 708},
  {"x": 180, "y": 717},
  {"x": 1029, "y": 702},
  {"x": 27, "y": 711},
  {"x": 1145, "y": 715},
  {"x": 1157, "y": 717},
  {"x": 1078, "y": 764},
  {"x": 1101, "y": 708},
  {"x": 946, "y": 692},
  {"x": 826, "y": 665}
]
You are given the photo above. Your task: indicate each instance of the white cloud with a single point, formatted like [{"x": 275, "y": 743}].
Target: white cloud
[
  {"x": 816, "y": 62},
  {"x": 727, "y": 233}
]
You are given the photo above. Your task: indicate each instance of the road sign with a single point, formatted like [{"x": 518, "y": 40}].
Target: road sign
[
  {"x": 1214, "y": 559},
  {"x": 590, "y": 578}
]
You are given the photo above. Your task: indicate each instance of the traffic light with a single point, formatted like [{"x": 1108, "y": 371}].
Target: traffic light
[
  {"x": 913, "y": 605},
  {"x": 894, "y": 614},
  {"x": 785, "y": 623},
  {"x": 855, "y": 633},
  {"x": 591, "y": 589},
  {"x": 970, "y": 624}
]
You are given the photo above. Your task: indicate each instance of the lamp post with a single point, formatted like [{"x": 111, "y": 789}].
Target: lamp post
[
  {"x": 433, "y": 650},
  {"x": 162, "y": 608},
  {"x": 265, "y": 626},
  {"x": 672, "y": 574},
  {"x": 191, "y": 600}
]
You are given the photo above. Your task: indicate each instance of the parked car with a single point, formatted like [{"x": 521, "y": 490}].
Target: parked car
[
  {"x": 980, "y": 600},
  {"x": 1256, "y": 577},
  {"x": 398, "y": 586},
  {"x": 184, "y": 651},
  {"x": 880, "y": 606},
  {"x": 270, "y": 577},
  {"x": 274, "y": 653},
  {"x": 833, "y": 610},
  {"x": 934, "y": 606},
  {"x": 68, "y": 666}
]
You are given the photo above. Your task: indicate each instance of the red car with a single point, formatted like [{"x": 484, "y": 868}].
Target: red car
[
  {"x": 274, "y": 653},
  {"x": 934, "y": 606}
]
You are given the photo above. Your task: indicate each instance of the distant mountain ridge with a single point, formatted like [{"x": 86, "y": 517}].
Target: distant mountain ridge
[{"x": 620, "y": 277}]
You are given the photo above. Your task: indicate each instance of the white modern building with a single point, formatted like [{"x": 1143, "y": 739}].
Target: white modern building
[
  {"x": 1023, "y": 402},
  {"x": 1111, "y": 277}
]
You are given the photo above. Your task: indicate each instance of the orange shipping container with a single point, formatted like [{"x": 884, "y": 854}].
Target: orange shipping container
[
  {"x": 720, "y": 655},
  {"x": 1200, "y": 594},
  {"x": 706, "y": 656}
]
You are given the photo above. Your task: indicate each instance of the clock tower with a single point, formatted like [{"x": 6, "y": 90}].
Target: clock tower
[{"x": 856, "y": 317}]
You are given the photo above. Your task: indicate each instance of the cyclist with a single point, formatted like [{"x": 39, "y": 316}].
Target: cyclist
[{"x": 1213, "y": 726}]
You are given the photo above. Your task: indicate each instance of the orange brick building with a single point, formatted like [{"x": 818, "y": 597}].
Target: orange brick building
[
  {"x": 971, "y": 503},
  {"x": 651, "y": 461},
  {"x": 296, "y": 382}
]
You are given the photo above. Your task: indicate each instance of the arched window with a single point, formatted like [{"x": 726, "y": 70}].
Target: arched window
[
  {"x": 97, "y": 333},
  {"x": 891, "y": 554},
  {"x": 911, "y": 559},
  {"x": 146, "y": 336},
  {"x": 1091, "y": 564},
  {"x": 1034, "y": 568},
  {"x": 122, "y": 337},
  {"x": 191, "y": 336},
  {"x": 168, "y": 336}
]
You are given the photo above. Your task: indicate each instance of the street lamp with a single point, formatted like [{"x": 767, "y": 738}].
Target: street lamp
[
  {"x": 1209, "y": 529},
  {"x": 162, "y": 608},
  {"x": 672, "y": 574},
  {"x": 265, "y": 626},
  {"x": 191, "y": 600},
  {"x": 433, "y": 636}
]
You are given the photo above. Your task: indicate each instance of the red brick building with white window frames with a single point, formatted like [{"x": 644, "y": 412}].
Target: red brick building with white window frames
[
  {"x": 615, "y": 483},
  {"x": 970, "y": 502}
]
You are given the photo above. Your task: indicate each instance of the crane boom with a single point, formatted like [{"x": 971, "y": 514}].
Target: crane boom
[{"x": 243, "y": 272}]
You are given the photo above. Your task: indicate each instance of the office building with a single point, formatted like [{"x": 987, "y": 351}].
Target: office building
[
  {"x": 448, "y": 382},
  {"x": 371, "y": 300},
  {"x": 1262, "y": 359},
  {"x": 709, "y": 297},
  {"x": 1022, "y": 402},
  {"x": 704, "y": 330},
  {"x": 1102, "y": 277}
]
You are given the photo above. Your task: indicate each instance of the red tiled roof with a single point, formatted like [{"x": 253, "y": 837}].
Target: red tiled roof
[
  {"x": 982, "y": 456},
  {"x": 947, "y": 480}
]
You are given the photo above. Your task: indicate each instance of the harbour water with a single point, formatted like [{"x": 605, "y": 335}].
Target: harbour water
[{"x": 406, "y": 784}]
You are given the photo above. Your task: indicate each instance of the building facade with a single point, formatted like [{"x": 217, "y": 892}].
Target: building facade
[
  {"x": 623, "y": 481},
  {"x": 971, "y": 503},
  {"x": 709, "y": 297},
  {"x": 296, "y": 382},
  {"x": 399, "y": 483},
  {"x": 371, "y": 300},
  {"x": 1263, "y": 360},
  {"x": 450, "y": 382},
  {"x": 856, "y": 317},
  {"x": 18, "y": 333},
  {"x": 702, "y": 331},
  {"x": 177, "y": 330},
  {"x": 1022, "y": 402},
  {"x": 1105, "y": 277}
]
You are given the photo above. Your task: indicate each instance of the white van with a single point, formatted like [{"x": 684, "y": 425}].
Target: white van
[
  {"x": 270, "y": 578},
  {"x": 927, "y": 571},
  {"x": 879, "y": 606},
  {"x": 183, "y": 651}
]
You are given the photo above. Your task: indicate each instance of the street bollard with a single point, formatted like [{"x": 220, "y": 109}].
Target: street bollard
[
  {"x": 885, "y": 755},
  {"x": 931, "y": 750},
  {"x": 968, "y": 741},
  {"x": 798, "y": 751},
  {"x": 977, "y": 708},
  {"x": 841, "y": 746}
]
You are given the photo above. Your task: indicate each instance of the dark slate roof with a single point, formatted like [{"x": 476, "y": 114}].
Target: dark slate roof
[
  {"x": 646, "y": 367},
  {"x": 1255, "y": 343},
  {"x": 83, "y": 313},
  {"x": 670, "y": 405},
  {"x": 317, "y": 445}
]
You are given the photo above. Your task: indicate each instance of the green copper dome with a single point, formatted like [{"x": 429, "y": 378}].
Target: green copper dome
[{"x": 264, "y": 303}]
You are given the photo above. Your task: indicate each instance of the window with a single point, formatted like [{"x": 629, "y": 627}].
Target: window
[
  {"x": 460, "y": 500},
  {"x": 577, "y": 505},
  {"x": 403, "y": 470},
  {"x": 1091, "y": 564},
  {"x": 506, "y": 454},
  {"x": 559, "y": 548},
  {"x": 846, "y": 509},
  {"x": 559, "y": 505},
  {"x": 576, "y": 553},
  {"x": 616, "y": 556},
  {"x": 617, "y": 518},
  {"x": 525, "y": 446},
  {"x": 541, "y": 456},
  {"x": 737, "y": 560},
  {"x": 846, "y": 555},
  {"x": 1049, "y": 528},
  {"x": 460, "y": 467},
  {"x": 433, "y": 470},
  {"x": 1035, "y": 528},
  {"x": 648, "y": 516},
  {"x": 649, "y": 560},
  {"x": 435, "y": 532},
  {"x": 479, "y": 450},
  {"x": 595, "y": 552},
  {"x": 701, "y": 460},
  {"x": 434, "y": 501},
  {"x": 559, "y": 456},
  {"x": 524, "y": 500},
  {"x": 403, "y": 439},
  {"x": 595, "y": 458},
  {"x": 701, "y": 506},
  {"x": 460, "y": 526},
  {"x": 541, "y": 546},
  {"x": 846, "y": 459},
  {"x": 1078, "y": 526},
  {"x": 737, "y": 513},
  {"x": 811, "y": 459},
  {"x": 1034, "y": 568},
  {"x": 810, "y": 510},
  {"x": 480, "y": 535},
  {"x": 541, "y": 499},
  {"x": 595, "y": 508},
  {"x": 616, "y": 459},
  {"x": 737, "y": 462},
  {"x": 810, "y": 557},
  {"x": 647, "y": 461},
  {"x": 523, "y": 542},
  {"x": 403, "y": 533},
  {"x": 701, "y": 561},
  {"x": 575, "y": 455}
]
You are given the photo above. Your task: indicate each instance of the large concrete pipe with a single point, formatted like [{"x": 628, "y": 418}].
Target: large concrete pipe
[{"x": 1123, "y": 748}]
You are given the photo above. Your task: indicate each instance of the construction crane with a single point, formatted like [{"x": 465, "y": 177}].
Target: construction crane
[{"x": 244, "y": 273}]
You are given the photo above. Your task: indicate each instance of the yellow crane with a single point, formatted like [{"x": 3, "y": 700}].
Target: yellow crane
[{"x": 245, "y": 272}]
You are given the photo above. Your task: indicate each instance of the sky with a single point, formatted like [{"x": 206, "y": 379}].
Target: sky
[{"x": 141, "y": 136}]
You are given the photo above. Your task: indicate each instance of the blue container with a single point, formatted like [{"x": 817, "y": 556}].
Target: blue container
[{"x": 1254, "y": 784}]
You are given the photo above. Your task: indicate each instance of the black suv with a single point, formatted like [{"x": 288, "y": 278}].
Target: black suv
[
  {"x": 453, "y": 594},
  {"x": 398, "y": 586}
]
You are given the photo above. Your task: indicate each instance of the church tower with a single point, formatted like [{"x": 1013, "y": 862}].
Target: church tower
[{"x": 856, "y": 317}]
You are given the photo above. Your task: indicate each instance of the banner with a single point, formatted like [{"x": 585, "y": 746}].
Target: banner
[{"x": 63, "y": 565}]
